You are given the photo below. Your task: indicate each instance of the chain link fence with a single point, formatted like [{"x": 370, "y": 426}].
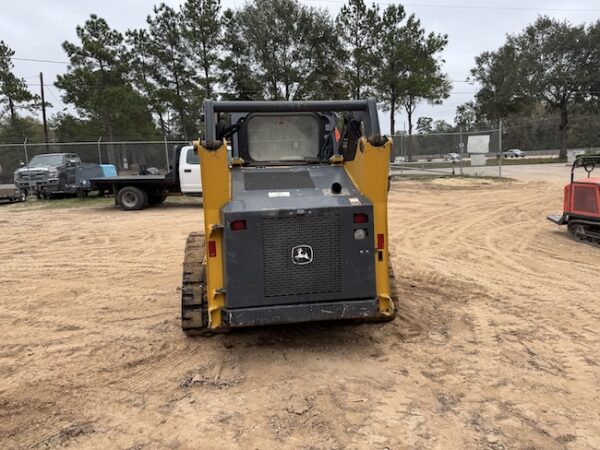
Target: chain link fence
[
  {"x": 127, "y": 156},
  {"x": 436, "y": 146},
  {"x": 539, "y": 139},
  {"x": 444, "y": 153}
]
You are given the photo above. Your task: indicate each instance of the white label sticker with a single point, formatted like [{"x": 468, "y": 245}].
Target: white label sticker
[
  {"x": 354, "y": 201},
  {"x": 279, "y": 194}
]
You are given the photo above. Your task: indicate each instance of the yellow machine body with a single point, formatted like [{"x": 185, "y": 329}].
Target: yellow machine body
[{"x": 368, "y": 171}]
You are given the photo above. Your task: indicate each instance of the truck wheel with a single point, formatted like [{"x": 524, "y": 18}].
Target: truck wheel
[
  {"x": 131, "y": 198},
  {"x": 156, "y": 199}
]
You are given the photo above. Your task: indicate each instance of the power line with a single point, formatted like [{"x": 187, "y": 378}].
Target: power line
[
  {"x": 56, "y": 97},
  {"x": 324, "y": 92},
  {"x": 41, "y": 60},
  {"x": 484, "y": 7},
  {"x": 254, "y": 92}
]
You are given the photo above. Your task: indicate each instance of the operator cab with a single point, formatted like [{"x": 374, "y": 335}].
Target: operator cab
[
  {"x": 262, "y": 139},
  {"x": 267, "y": 138}
]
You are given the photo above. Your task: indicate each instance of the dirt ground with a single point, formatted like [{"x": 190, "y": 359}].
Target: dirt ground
[{"x": 497, "y": 344}]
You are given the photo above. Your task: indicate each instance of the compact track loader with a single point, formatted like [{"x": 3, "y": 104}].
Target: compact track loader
[
  {"x": 295, "y": 217},
  {"x": 581, "y": 210}
]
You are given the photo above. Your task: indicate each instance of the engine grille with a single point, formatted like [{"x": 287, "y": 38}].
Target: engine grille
[
  {"x": 281, "y": 277},
  {"x": 584, "y": 199},
  {"x": 34, "y": 176}
]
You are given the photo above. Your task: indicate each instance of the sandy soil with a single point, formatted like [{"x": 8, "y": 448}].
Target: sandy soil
[{"x": 497, "y": 344}]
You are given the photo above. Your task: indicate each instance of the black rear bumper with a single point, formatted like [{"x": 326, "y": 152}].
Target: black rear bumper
[
  {"x": 304, "y": 312},
  {"x": 558, "y": 220}
]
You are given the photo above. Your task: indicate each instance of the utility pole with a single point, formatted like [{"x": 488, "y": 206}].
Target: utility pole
[
  {"x": 461, "y": 148},
  {"x": 44, "y": 112},
  {"x": 500, "y": 148},
  {"x": 167, "y": 153},
  {"x": 99, "y": 151}
]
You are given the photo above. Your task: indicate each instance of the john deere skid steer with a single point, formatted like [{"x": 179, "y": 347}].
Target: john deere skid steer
[{"x": 295, "y": 217}]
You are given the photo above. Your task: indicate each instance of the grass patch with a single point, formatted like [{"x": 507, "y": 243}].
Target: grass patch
[
  {"x": 92, "y": 201},
  {"x": 519, "y": 161},
  {"x": 67, "y": 202},
  {"x": 490, "y": 162}
]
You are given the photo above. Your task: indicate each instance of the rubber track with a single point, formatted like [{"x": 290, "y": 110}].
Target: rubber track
[
  {"x": 194, "y": 308},
  {"x": 584, "y": 232}
]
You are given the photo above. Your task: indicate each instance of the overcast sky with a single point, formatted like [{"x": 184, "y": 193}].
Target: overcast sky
[{"x": 36, "y": 29}]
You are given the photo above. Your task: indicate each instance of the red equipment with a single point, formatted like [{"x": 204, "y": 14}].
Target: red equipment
[{"x": 582, "y": 202}]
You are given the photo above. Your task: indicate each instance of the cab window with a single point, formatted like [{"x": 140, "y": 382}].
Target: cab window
[
  {"x": 283, "y": 137},
  {"x": 192, "y": 157}
]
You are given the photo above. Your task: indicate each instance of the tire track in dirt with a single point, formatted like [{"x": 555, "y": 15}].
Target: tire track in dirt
[{"x": 480, "y": 356}]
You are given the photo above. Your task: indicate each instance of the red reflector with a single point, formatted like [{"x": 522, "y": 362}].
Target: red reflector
[
  {"x": 212, "y": 249},
  {"x": 380, "y": 241},
  {"x": 361, "y": 218},
  {"x": 238, "y": 225}
]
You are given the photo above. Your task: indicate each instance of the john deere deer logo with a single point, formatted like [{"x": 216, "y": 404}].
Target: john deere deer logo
[{"x": 302, "y": 254}]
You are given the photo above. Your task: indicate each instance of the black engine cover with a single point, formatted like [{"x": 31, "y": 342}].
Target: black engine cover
[{"x": 298, "y": 245}]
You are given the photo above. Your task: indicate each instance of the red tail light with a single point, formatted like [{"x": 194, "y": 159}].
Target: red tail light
[
  {"x": 361, "y": 218},
  {"x": 380, "y": 241},
  {"x": 238, "y": 225},
  {"x": 212, "y": 249}
]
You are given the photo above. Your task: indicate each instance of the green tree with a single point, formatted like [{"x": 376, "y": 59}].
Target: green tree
[
  {"x": 173, "y": 72},
  {"x": 67, "y": 127},
  {"x": 425, "y": 79},
  {"x": 410, "y": 66},
  {"x": 424, "y": 125},
  {"x": 501, "y": 93},
  {"x": 238, "y": 78},
  {"x": 143, "y": 75},
  {"x": 547, "y": 63},
  {"x": 551, "y": 63},
  {"x": 441, "y": 126},
  {"x": 14, "y": 94},
  {"x": 320, "y": 71},
  {"x": 291, "y": 48},
  {"x": 465, "y": 116},
  {"x": 591, "y": 77},
  {"x": 392, "y": 49},
  {"x": 12, "y": 156},
  {"x": 358, "y": 27},
  {"x": 96, "y": 82},
  {"x": 201, "y": 26}
]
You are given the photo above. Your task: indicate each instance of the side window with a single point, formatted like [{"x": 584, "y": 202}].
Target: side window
[{"x": 191, "y": 157}]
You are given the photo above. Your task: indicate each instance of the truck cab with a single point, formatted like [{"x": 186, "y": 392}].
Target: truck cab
[{"x": 189, "y": 171}]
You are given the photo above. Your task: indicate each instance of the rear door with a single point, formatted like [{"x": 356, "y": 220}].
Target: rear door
[
  {"x": 189, "y": 171},
  {"x": 71, "y": 162}
]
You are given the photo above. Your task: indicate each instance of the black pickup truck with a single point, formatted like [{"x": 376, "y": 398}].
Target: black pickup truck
[{"x": 48, "y": 174}]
